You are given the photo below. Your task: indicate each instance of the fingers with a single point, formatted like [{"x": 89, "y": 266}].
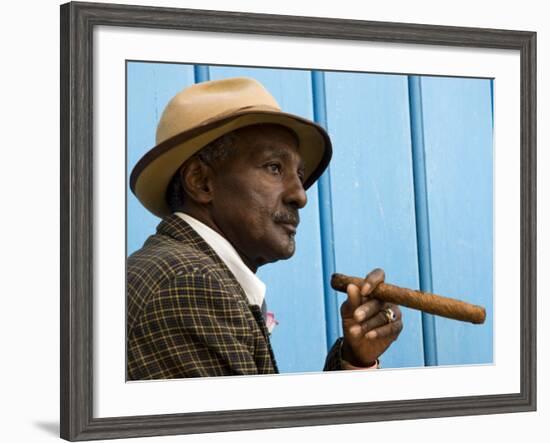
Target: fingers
[
  {"x": 380, "y": 319},
  {"x": 373, "y": 279},
  {"x": 375, "y": 322},
  {"x": 375, "y": 330},
  {"x": 354, "y": 297},
  {"x": 356, "y": 294},
  {"x": 367, "y": 310},
  {"x": 389, "y": 330}
]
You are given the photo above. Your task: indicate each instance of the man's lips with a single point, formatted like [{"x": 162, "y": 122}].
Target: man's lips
[
  {"x": 289, "y": 221},
  {"x": 290, "y": 227}
]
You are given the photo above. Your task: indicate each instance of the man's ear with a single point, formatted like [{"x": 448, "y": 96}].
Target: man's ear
[{"x": 196, "y": 178}]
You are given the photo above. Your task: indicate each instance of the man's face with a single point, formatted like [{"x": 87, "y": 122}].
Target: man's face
[{"x": 257, "y": 193}]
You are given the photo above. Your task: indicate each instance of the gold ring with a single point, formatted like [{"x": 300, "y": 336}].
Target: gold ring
[{"x": 390, "y": 315}]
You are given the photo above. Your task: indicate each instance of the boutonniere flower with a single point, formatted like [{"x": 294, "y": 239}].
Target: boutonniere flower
[{"x": 270, "y": 321}]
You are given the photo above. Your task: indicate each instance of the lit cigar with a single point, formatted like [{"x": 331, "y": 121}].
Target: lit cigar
[{"x": 423, "y": 301}]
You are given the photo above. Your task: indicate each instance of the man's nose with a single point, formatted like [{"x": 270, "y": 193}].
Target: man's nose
[{"x": 295, "y": 194}]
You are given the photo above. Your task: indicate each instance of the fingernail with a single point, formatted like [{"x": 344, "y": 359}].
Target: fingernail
[
  {"x": 355, "y": 330},
  {"x": 360, "y": 315},
  {"x": 371, "y": 334}
]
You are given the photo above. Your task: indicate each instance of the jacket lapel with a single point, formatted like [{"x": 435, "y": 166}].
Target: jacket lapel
[{"x": 177, "y": 228}]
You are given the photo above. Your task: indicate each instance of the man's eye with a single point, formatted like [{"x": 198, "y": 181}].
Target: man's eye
[{"x": 274, "y": 168}]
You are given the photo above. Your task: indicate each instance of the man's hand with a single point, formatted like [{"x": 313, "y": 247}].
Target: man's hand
[{"x": 367, "y": 333}]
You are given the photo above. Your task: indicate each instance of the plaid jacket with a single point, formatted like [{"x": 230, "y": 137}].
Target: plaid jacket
[{"x": 187, "y": 316}]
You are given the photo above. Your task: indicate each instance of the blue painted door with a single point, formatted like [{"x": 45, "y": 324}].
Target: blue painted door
[
  {"x": 458, "y": 138},
  {"x": 371, "y": 192},
  {"x": 363, "y": 213},
  {"x": 149, "y": 88}
]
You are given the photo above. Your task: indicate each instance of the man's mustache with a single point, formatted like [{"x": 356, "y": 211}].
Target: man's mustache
[{"x": 290, "y": 217}]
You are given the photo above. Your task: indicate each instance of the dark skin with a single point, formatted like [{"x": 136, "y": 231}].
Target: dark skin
[
  {"x": 252, "y": 199},
  {"x": 367, "y": 333}
]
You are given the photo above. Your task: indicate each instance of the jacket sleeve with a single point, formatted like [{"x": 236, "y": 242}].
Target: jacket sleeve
[
  {"x": 335, "y": 362},
  {"x": 192, "y": 327}
]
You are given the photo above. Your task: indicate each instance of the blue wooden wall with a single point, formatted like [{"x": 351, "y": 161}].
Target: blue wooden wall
[{"x": 409, "y": 189}]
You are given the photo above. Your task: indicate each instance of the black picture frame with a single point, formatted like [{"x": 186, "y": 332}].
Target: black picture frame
[{"x": 77, "y": 23}]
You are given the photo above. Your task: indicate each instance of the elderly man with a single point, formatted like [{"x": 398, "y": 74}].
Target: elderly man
[{"x": 228, "y": 176}]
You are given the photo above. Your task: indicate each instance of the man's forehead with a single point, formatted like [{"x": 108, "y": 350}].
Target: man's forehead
[
  {"x": 284, "y": 152},
  {"x": 269, "y": 149}
]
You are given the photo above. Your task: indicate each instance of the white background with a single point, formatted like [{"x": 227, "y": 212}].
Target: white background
[{"x": 29, "y": 184}]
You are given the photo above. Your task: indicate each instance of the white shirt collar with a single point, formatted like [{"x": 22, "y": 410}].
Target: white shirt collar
[{"x": 253, "y": 287}]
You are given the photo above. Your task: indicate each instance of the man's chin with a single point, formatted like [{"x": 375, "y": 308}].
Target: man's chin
[
  {"x": 283, "y": 252},
  {"x": 289, "y": 250}
]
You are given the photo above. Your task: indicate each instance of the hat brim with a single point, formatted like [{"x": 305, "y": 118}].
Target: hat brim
[{"x": 151, "y": 175}]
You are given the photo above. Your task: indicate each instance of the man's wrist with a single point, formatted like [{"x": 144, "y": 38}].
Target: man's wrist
[{"x": 349, "y": 361}]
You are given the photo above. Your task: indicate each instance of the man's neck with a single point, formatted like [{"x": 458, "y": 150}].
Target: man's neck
[{"x": 205, "y": 218}]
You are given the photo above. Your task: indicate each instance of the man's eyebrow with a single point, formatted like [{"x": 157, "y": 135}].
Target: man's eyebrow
[{"x": 276, "y": 151}]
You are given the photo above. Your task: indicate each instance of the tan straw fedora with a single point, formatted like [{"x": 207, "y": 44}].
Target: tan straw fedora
[{"x": 204, "y": 112}]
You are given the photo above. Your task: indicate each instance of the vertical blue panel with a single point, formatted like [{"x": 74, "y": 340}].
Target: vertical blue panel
[
  {"x": 459, "y": 166},
  {"x": 294, "y": 286},
  {"x": 492, "y": 103},
  {"x": 421, "y": 210},
  {"x": 202, "y": 73},
  {"x": 332, "y": 317},
  {"x": 372, "y": 190},
  {"x": 149, "y": 88}
]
